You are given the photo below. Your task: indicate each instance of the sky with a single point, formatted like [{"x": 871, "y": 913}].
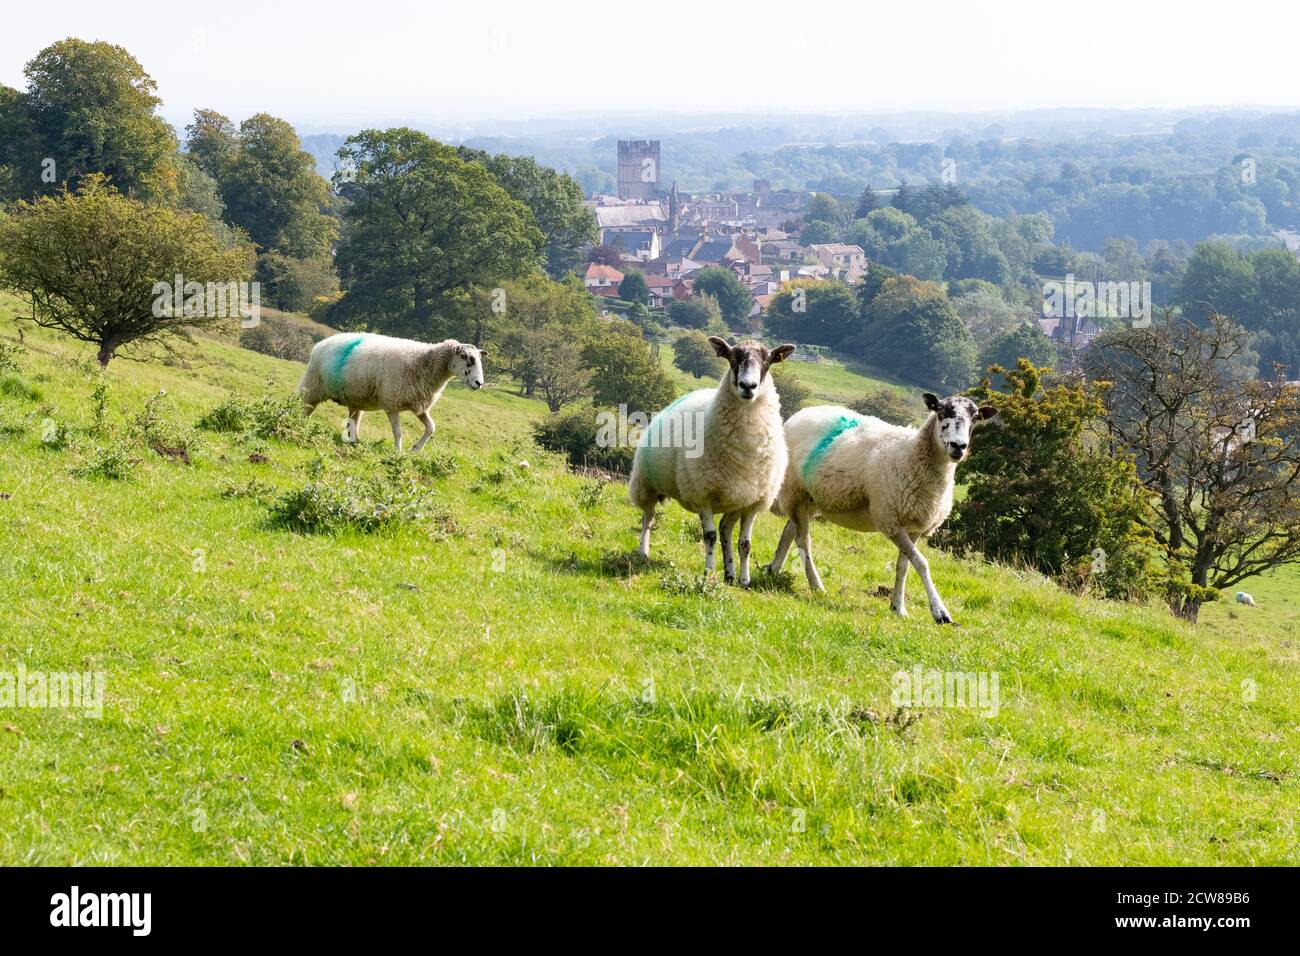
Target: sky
[{"x": 331, "y": 64}]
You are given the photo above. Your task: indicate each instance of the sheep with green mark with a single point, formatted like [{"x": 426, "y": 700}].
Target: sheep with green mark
[
  {"x": 868, "y": 475},
  {"x": 364, "y": 372},
  {"x": 717, "y": 451}
]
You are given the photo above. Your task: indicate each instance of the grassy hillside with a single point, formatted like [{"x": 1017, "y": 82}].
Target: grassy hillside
[
  {"x": 497, "y": 681},
  {"x": 834, "y": 381}
]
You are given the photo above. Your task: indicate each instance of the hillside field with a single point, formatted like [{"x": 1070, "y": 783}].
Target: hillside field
[{"x": 493, "y": 678}]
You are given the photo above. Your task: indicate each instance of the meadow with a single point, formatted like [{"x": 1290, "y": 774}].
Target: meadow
[{"x": 318, "y": 653}]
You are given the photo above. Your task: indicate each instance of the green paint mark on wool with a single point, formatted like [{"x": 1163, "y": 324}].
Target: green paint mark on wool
[
  {"x": 334, "y": 365},
  {"x": 656, "y": 427},
  {"x": 836, "y": 429}
]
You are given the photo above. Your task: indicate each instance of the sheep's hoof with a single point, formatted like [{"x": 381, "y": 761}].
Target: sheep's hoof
[{"x": 943, "y": 617}]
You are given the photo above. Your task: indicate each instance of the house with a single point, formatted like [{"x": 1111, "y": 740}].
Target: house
[
  {"x": 785, "y": 249},
  {"x": 1071, "y": 335},
  {"x": 845, "y": 261},
  {"x": 601, "y": 277},
  {"x": 661, "y": 290},
  {"x": 639, "y": 244}
]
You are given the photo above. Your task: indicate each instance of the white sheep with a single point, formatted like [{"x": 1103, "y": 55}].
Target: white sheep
[
  {"x": 717, "y": 451},
  {"x": 868, "y": 475},
  {"x": 365, "y": 372},
  {"x": 1246, "y": 599}
]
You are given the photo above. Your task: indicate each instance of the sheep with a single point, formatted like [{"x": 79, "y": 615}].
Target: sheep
[
  {"x": 717, "y": 451},
  {"x": 868, "y": 475},
  {"x": 1246, "y": 599},
  {"x": 365, "y": 372}
]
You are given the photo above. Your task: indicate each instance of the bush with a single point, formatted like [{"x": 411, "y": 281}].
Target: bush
[
  {"x": 890, "y": 406},
  {"x": 573, "y": 432},
  {"x": 165, "y": 437},
  {"x": 283, "y": 418},
  {"x": 9, "y": 355},
  {"x": 693, "y": 354},
  {"x": 278, "y": 339},
  {"x": 793, "y": 393},
  {"x": 1043, "y": 489},
  {"x": 368, "y": 506},
  {"x": 113, "y": 462}
]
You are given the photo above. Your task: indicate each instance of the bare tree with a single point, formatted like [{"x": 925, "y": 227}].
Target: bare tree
[{"x": 1217, "y": 446}]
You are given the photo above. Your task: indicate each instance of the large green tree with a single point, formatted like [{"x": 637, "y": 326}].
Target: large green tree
[
  {"x": 732, "y": 297},
  {"x": 89, "y": 262},
  {"x": 813, "y": 312},
  {"x": 914, "y": 331},
  {"x": 421, "y": 221},
  {"x": 88, "y": 108}
]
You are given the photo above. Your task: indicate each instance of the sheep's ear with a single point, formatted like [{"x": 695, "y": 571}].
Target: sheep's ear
[
  {"x": 931, "y": 401},
  {"x": 780, "y": 354},
  {"x": 482, "y": 355},
  {"x": 987, "y": 412},
  {"x": 720, "y": 346}
]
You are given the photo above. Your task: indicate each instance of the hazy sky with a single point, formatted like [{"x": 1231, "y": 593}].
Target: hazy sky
[{"x": 332, "y": 63}]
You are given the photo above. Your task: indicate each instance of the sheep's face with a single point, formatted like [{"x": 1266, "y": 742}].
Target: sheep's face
[
  {"x": 750, "y": 363},
  {"x": 957, "y": 416},
  {"x": 467, "y": 363}
]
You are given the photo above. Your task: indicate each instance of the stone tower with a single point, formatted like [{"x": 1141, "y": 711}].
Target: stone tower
[{"x": 638, "y": 169}]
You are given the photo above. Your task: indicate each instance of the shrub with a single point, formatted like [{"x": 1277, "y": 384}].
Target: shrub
[
  {"x": 165, "y": 437},
  {"x": 283, "y": 418},
  {"x": 573, "y": 431},
  {"x": 1043, "y": 489},
  {"x": 369, "y": 506},
  {"x": 890, "y": 406},
  {"x": 9, "y": 355},
  {"x": 793, "y": 393},
  {"x": 693, "y": 354},
  {"x": 113, "y": 461}
]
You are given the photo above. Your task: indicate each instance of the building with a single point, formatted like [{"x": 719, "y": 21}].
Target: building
[
  {"x": 844, "y": 261},
  {"x": 638, "y": 169},
  {"x": 601, "y": 277}
]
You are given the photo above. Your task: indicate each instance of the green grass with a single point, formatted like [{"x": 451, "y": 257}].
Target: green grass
[{"x": 498, "y": 680}]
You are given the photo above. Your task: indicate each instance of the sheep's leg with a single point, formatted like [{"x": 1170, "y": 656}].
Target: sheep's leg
[
  {"x": 427, "y": 420},
  {"x": 905, "y": 546},
  {"x": 395, "y": 419},
  {"x": 352, "y": 428},
  {"x": 710, "y": 539},
  {"x": 647, "y": 522},
  {"x": 804, "y": 532},
  {"x": 725, "y": 528},
  {"x": 746, "y": 531},
  {"x": 783, "y": 548},
  {"x": 898, "y": 600}
]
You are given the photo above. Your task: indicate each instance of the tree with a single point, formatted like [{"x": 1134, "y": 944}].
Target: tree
[
  {"x": 867, "y": 203},
  {"x": 626, "y": 371},
  {"x": 818, "y": 231},
  {"x": 732, "y": 297},
  {"x": 89, "y": 108},
  {"x": 633, "y": 288},
  {"x": 272, "y": 191},
  {"x": 1043, "y": 489},
  {"x": 89, "y": 260},
  {"x": 422, "y": 222},
  {"x": 813, "y": 312},
  {"x": 1025, "y": 341},
  {"x": 693, "y": 354},
  {"x": 823, "y": 207},
  {"x": 1218, "y": 279},
  {"x": 212, "y": 141},
  {"x": 914, "y": 331},
  {"x": 700, "y": 311},
  {"x": 556, "y": 202},
  {"x": 1218, "y": 447}
]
